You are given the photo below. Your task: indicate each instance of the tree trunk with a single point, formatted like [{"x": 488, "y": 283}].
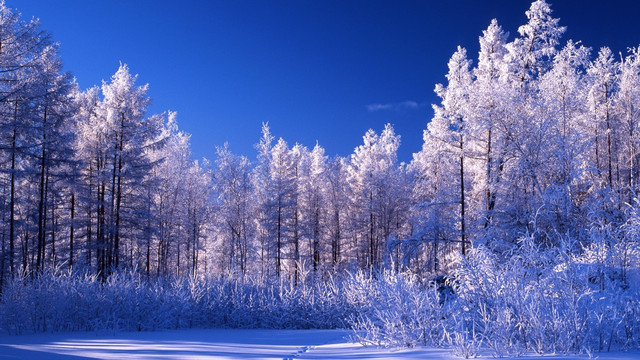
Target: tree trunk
[
  {"x": 316, "y": 239},
  {"x": 279, "y": 239},
  {"x": 372, "y": 249},
  {"x": 12, "y": 201},
  {"x": 335, "y": 244},
  {"x": 463, "y": 235},
  {"x": 119, "y": 197},
  {"x": 73, "y": 208}
]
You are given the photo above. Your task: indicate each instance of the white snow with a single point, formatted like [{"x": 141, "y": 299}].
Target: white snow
[{"x": 222, "y": 344}]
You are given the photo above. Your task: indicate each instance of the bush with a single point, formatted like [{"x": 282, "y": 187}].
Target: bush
[
  {"x": 540, "y": 300},
  {"x": 60, "y": 301}
]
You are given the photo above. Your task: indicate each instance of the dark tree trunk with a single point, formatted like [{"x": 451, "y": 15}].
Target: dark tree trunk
[
  {"x": 73, "y": 208},
  {"x": 12, "y": 203}
]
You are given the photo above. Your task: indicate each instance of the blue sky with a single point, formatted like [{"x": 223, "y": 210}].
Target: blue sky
[{"x": 321, "y": 71}]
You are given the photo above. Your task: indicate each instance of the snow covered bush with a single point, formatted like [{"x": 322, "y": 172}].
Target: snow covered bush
[
  {"x": 531, "y": 299},
  {"x": 400, "y": 311},
  {"x": 60, "y": 301},
  {"x": 544, "y": 300}
]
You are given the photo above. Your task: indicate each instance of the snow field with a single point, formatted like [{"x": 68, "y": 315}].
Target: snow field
[{"x": 226, "y": 344}]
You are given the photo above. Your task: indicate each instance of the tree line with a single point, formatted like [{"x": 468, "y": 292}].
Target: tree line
[{"x": 536, "y": 139}]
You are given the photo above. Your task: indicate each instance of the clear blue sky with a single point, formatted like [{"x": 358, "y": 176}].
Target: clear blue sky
[{"x": 314, "y": 70}]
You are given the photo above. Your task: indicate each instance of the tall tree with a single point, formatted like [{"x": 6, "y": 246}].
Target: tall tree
[
  {"x": 449, "y": 125},
  {"x": 261, "y": 178},
  {"x": 488, "y": 97},
  {"x": 372, "y": 175},
  {"x": 234, "y": 192},
  {"x": 602, "y": 74},
  {"x": 563, "y": 97},
  {"x": 23, "y": 45},
  {"x": 627, "y": 109},
  {"x": 282, "y": 210},
  {"x": 52, "y": 112}
]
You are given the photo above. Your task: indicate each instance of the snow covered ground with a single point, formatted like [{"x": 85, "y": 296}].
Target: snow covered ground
[{"x": 220, "y": 344}]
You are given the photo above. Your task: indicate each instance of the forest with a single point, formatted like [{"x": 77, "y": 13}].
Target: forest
[{"x": 515, "y": 228}]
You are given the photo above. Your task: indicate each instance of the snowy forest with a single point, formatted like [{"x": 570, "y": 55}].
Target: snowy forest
[{"x": 515, "y": 228}]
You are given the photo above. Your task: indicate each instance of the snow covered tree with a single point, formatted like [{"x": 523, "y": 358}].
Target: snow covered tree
[
  {"x": 35, "y": 110},
  {"x": 282, "y": 211},
  {"x": 531, "y": 54},
  {"x": 261, "y": 177},
  {"x": 165, "y": 186},
  {"x": 373, "y": 176},
  {"x": 627, "y": 110},
  {"x": 114, "y": 143},
  {"x": 488, "y": 96},
  {"x": 337, "y": 206},
  {"x": 449, "y": 125},
  {"x": 197, "y": 200},
  {"x": 315, "y": 190},
  {"x": 234, "y": 193},
  {"x": 563, "y": 97},
  {"x": 433, "y": 213},
  {"x": 602, "y": 73},
  {"x": 51, "y": 114}
]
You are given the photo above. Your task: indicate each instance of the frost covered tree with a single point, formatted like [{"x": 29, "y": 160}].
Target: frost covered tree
[
  {"x": 261, "y": 177},
  {"x": 51, "y": 116},
  {"x": 602, "y": 75},
  {"x": 165, "y": 187},
  {"x": 315, "y": 205},
  {"x": 114, "y": 144},
  {"x": 530, "y": 55},
  {"x": 563, "y": 95},
  {"x": 35, "y": 124},
  {"x": 450, "y": 126},
  {"x": 488, "y": 95},
  {"x": 197, "y": 223},
  {"x": 337, "y": 205},
  {"x": 373, "y": 175},
  {"x": 282, "y": 205},
  {"x": 626, "y": 100},
  {"x": 234, "y": 191}
]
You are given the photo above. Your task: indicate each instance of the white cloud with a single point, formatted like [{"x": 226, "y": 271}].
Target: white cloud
[
  {"x": 404, "y": 105},
  {"x": 377, "y": 107}
]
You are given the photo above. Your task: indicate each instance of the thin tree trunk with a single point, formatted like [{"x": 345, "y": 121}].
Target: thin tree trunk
[
  {"x": 112, "y": 214},
  {"x": 12, "y": 202},
  {"x": 89, "y": 217},
  {"x": 463, "y": 235},
  {"x": 296, "y": 244},
  {"x": 608, "y": 123},
  {"x": 54, "y": 225},
  {"x": 372, "y": 249},
  {"x": 488, "y": 216},
  {"x": 279, "y": 239},
  {"x": 316, "y": 238},
  {"x": 119, "y": 197},
  {"x": 73, "y": 208},
  {"x": 148, "y": 257},
  {"x": 335, "y": 245},
  {"x": 41, "y": 208}
]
